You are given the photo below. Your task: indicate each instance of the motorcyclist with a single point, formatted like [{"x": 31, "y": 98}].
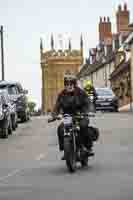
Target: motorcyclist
[
  {"x": 71, "y": 100},
  {"x": 90, "y": 90}
]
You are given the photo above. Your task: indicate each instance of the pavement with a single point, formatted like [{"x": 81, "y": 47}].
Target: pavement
[
  {"x": 127, "y": 108},
  {"x": 31, "y": 167}
]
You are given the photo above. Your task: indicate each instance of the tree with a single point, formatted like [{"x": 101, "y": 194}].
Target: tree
[{"x": 31, "y": 106}]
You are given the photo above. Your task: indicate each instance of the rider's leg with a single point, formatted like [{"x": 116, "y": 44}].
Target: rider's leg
[
  {"x": 85, "y": 137},
  {"x": 60, "y": 133},
  {"x": 83, "y": 131}
]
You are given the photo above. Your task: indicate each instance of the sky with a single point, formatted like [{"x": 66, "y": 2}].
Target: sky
[{"x": 26, "y": 21}]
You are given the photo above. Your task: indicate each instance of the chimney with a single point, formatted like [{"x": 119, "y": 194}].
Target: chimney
[
  {"x": 122, "y": 18},
  {"x": 105, "y": 29}
]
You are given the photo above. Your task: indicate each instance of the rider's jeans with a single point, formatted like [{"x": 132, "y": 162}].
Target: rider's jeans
[{"x": 84, "y": 134}]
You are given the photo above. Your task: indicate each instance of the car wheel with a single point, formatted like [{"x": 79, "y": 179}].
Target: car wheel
[
  {"x": 4, "y": 133},
  {"x": 116, "y": 109},
  {"x": 24, "y": 118},
  {"x": 10, "y": 128},
  {"x": 14, "y": 124}
]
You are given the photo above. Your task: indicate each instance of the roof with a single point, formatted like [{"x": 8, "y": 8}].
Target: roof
[
  {"x": 123, "y": 66},
  {"x": 83, "y": 69},
  {"x": 129, "y": 39},
  {"x": 8, "y": 82},
  {"x": 94, "y": 67},
  {"x": 87, "y": 69}
]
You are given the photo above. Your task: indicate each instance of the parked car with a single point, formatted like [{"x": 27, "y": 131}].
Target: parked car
[
  {"x": 12, "y": 105},
  {"x": 106, "y": 100},
  {"x": 5, "y": 117},
  {"x": 18, "y": 95}
]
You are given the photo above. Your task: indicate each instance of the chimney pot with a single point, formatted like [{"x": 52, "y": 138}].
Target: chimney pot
[
  {"x": 108, "y": 19},
  {"x": 119, "y": 7},
  {"x": 125, "y": 6}
]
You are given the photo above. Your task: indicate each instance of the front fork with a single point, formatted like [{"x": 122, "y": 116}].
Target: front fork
[{"x": 70, "y": 134}]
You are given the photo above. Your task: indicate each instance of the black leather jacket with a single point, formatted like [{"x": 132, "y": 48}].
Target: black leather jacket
[{"x": 71, "y": 103}]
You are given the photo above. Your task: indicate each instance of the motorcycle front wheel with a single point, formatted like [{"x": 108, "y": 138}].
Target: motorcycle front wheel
[{"x": 70, "y": 155}]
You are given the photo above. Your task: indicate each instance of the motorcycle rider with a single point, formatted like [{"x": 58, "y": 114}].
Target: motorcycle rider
[
  {"x": 71, "y": 100},
  {"x": 90, "y": 90}
]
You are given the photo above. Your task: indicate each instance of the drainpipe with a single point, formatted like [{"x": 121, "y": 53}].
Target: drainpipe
[{"x": 131, "y": 79}]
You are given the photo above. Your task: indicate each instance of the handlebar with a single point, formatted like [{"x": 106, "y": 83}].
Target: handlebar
[
  {"x": 54, "y": 119},
  {"x": 78, "y": 116}
]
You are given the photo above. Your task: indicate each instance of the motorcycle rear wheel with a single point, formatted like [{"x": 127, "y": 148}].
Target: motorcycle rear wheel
[{"x": 84, "y": 162}]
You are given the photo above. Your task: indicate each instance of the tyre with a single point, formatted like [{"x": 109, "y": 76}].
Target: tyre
[
  {"x": 24, "y": 118},
  {"x": 116, "y": 110},
  {"x": 4, "y": 133},
  {"x": 84, "y": 162},
  {"x": 13, "y": 124},
  {"x": 10, "y": 128},
  {"x": 16, "y": 124},
  {"x": 70, "y": 156}
]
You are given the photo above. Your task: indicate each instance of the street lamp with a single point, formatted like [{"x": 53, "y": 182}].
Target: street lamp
[{"x": 2, "y": 53}]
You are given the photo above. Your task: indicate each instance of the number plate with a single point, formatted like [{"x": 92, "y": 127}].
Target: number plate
[
  {"x": 105, "y": 104},
  {"x": 67, "y": 120}
]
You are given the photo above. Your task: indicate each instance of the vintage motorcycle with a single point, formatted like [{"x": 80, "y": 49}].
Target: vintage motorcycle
[{"x": 73, "y": 150}]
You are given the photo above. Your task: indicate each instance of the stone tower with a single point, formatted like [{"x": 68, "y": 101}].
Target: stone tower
[
  {"x": 54, "y": 64},
  {"x": 105, "y": 29},
  {"x": 122, "y": 19}
]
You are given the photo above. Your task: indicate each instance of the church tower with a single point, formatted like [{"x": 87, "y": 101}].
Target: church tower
[{"x": 54, "y": 64}]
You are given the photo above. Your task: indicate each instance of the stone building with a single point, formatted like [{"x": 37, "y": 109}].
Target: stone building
[
  {"x": 103, "y": 58},
  {"x": 54, "y": 64},
  {"x": 122, "y": 77}
]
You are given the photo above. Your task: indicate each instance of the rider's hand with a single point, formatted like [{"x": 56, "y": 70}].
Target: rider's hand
[{"x": 52, "y": 118}]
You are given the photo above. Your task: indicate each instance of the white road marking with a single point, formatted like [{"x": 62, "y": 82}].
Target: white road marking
[{"x": 14, "y": 172}]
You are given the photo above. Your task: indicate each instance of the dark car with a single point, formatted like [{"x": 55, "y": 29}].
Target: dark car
[
  {"x": 18, "y": 95},
  {"x": 5, "y": 117},
  {"x": 106, "y": 100}
]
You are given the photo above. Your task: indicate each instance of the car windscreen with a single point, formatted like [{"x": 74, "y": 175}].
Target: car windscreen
[
  {"x": 8, "y": 88},
  {"x": 3, "y": 88},
  {"x": 104, "y": 92}
]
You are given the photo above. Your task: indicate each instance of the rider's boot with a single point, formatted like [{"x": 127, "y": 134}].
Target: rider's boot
[
  {"x": 63, "y": 157},
  {"x": 90, "y": 150}
]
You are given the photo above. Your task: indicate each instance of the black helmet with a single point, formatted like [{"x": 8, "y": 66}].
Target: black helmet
[{"x": 70, "y": 78}]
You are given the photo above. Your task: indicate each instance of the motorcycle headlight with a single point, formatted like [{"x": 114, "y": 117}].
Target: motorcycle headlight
[{"x": 67, "y": 120}]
